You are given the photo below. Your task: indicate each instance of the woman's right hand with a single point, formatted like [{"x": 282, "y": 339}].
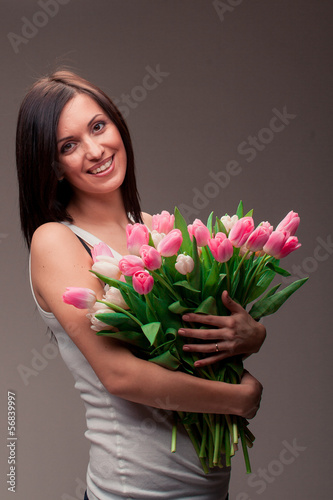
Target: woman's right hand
[{"x": 252, "y": 391}]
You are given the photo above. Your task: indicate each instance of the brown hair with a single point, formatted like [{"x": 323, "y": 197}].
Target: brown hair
[{"x": 42, "y": 197}]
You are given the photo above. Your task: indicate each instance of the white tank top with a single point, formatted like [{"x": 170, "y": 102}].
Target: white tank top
[{"x": 130, "y": 443}]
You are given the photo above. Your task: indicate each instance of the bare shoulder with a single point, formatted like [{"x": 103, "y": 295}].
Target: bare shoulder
[
  {"x": 147, "y": 219},
  {"x": 49, "y": 234}
]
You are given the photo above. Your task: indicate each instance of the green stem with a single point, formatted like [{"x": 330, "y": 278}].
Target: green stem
[
  {"x": 120, "y": 309},
  {"x": 162, "y": 280},
  {"x": 260, "y": 266},
  {"x": 228, "y": 277},
  {"x": 245, "y": 452},
  {"x": 217, "y": 440},
  {"x": 174, "y": 434},
  {"x": 203, "y": 453},
  {"x": 241, "y": 262}
]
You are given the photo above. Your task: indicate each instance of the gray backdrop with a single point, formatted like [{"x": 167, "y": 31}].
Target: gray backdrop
[{"x": 200, "y": 83}]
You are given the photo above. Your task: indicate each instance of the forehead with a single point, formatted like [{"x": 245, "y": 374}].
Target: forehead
[{"x": 78, "y": 112}]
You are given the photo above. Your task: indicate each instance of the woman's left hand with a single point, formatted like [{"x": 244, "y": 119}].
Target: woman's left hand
[{"x": 236, "y": 334}]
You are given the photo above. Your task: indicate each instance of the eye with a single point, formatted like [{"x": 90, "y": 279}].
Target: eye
[
  {"x": 66, "y": 148},
  {"x": 97, "y": 127}
]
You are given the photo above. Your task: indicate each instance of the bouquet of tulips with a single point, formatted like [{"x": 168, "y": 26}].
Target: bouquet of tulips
[{"x": 178, "y": 268}]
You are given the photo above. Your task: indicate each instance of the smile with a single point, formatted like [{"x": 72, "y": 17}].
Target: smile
[{"x": 102, "y": 168}]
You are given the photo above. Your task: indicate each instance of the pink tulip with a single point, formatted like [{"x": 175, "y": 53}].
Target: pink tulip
[
  {"x": 130, "y": 264},
  {"x": 143, "y": 282},
  {"x": 137, "y": 235},
  {"x": 289, "y": 223},
  {"x": 184, "y": 264},
  {"x": 163, "y": 222},
  {"x": 275, "y": 243},
  {"x": 100, "y": 250},
  {"x": 171, "y": 243},
  {"x": 200, "y": 231},
  {"x": 82, "y": 298},
  {"x": 221, "y": 247},
  {"x": 290, "y": 245},
  {"x": 259, "y": 237},
  {"x": 240, "y": 232},
  {"x": 151, "y": 258}
]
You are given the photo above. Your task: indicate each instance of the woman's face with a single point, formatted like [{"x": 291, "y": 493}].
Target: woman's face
[{"x": 90, "y": 149}]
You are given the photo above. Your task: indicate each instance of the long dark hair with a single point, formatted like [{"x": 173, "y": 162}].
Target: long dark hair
[{"x": 42, "y": 197}]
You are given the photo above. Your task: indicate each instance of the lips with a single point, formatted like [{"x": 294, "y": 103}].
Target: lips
[{"x": 102, "y": 168}]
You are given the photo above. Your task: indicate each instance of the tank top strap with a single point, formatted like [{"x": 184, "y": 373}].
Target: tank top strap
[{"x": 88, "y": 237}]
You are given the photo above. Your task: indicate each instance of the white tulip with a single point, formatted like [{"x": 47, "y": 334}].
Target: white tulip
[
  {"x": 228, "y": 221},
  {"x": 184, "y": 264}
]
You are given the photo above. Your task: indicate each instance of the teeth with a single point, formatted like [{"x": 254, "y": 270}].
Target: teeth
[{"x": 102, "y": 167}]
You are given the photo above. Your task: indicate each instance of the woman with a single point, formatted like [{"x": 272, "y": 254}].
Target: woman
[{"x": 76, "y": 166}]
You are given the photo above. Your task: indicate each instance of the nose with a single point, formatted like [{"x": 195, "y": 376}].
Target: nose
[{"x": 93, "y": 149}]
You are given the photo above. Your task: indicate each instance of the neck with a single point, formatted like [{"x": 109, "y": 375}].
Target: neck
[{"x": 99, "y": 210}]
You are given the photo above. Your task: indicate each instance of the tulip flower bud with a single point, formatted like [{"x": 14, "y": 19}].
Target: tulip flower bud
[
  {"x": 258, "y": 238},
  {"x": 100, "y": 250},
  {"x": 171, "y": 243},
  {"x": 81, "y": 298},
  {"x": 221, "y": 248},
  {"x": 114, "y": 295},
  {"x": 151, "y": 258},
  {"x": 143, "y": 282},
  {"x": 275, "y": 243},
  {"x": 156, "y": 237},
  {"x": 229, "y": 222},
  {"x": 137, "y": 235},
  {"x": 107, "y": 267},
  {"x": 130, "y": 264},
  {"x": 97, "y": 324},
  {"x": 184, "y": 264},
  {"x": 290, "y": 223},
  {"x": 200, "y": 231},
  {"x": 290, "y": 245},
  {"x": 163, "y": 222},
  {"x": 240, "y": 232}
]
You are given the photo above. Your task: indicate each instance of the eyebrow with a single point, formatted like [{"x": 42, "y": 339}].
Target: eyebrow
[{"x": 88, "y": 125}]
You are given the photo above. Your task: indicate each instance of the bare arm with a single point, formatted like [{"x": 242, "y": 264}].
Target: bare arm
[{"x": 58, "y": 260}]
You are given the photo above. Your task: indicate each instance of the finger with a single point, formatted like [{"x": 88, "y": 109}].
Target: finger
[
  {"x": 230, "y": 304},
  {"x": 209, "y": 319},
  {"x": 203, "y": 334},
  {"x": 210, "y": 360},
  {"x": 209, "y": 348}
]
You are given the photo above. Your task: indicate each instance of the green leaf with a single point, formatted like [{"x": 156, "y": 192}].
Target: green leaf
[
  {"x": 130, "y": 337},
  {"x": 180, "y": 223},
  {"x": 151, "y": 331},
  {"x": 194, "y": 278},
  {"x": 277, "y": 269},
  {"x": 185, "y": 284},
  {"x": 249, "y": 214},
  {"x": 240, "y": 210},
  {"x": 219, "y": 226},
  {"x": 167, "y": 360},
  {"x": 117, "y": 320},
  {"x": 269, "y": 305},
  {"x": 208, "y": 306},
  {"x": 259, "y": 287},
  {"x": 212, "y": 280},
  {"x": 210, "y": 223},
  {"x": 180, "y": 307}
]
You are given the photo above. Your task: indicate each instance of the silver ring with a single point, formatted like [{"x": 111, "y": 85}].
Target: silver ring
[{"x": 216, "y": 348}]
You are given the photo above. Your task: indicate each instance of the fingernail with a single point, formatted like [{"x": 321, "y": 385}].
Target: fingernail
[
  {"x": 186, "y": 317},
  {"x": 197, "y": 363},
  {"x": 186, "y": 348},
  {"x": 181, "y": 330}
]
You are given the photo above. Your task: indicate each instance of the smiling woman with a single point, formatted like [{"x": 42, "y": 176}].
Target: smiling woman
[{"x": 76, "y": 178}]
